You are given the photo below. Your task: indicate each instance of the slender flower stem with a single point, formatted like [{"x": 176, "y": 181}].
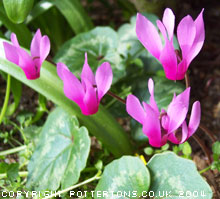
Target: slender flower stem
[
  {"x": 14, "y": 150},
  {"x": 202, "y": 145},
  {"x": 187, "y": 81},
  {"x": 206, "y": 169},
  {"x": 7, "y": 95},
  {"x": 96, "y": 177},
  {"x": 116, "y": 97},
  {"x": 208, "y": 132},
  {"x": 21, "y": 174}
]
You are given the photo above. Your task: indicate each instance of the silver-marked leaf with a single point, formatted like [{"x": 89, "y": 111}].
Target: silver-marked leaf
[
  {"x": 177, "y": 177},
  {"x": 61, "y": 153},
  {"x": 100, "y": 44},
  {"x": 125, "y": 178},
  {"x": 128, "y": 41}
]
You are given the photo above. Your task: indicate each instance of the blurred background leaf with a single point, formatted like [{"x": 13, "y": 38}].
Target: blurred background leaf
[{"x": 17, "y": 10}]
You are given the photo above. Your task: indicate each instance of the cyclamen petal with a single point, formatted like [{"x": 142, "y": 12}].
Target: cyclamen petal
[
  {"x": 194, "y": 118},
  {"x": 72, "y": 86},
  {"x": 186, "y": 32},
  {"x": 11, "y": 53},
  {"x": 177, "y": 110},
  {"x": 151, "y": 127},
  {"x": 170, "y": 125},
  {"x": 146, "y": 33},
  {"x": 153, "y": 103},
  {"x": 190, "y": 34},
  {"x": 169, "y": 21},
  {"x": 103, "y": 78},
  {"x": 87, "y": 93},
  {"x": 30, "y": 64},
  {"x": 134, "y": 108},
  {"x": 87, "y": 72},
  {"x": 199, "y": 38}
]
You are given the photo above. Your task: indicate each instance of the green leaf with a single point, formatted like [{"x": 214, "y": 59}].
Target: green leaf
[
  {"x": 216, "y": 148},
  {"x": 127, "y": 175},
  {"x": 60, "y": 155},
  {"x": 149, "y": 150},
  {"x": 39, "y": 9},
  {"x": 3, "y": 167},
  {"x": 128, "y": 41},
  {"x": 12, "y": 171},
  {"x": 187, "y": 150},
  {"x": 74, "y": 14},
  {"x": 102, "y": 124},
  {"x": 17, "y": 10},
  {"x": 178, "y": 177},
  {"x": 100, "y": 44},
  {"x": 32, "y": 133},
  {"x": 19, "y": 29}
]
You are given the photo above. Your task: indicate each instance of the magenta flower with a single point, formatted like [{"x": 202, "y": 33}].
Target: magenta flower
[
  {"x": 30, "y": 64},
  {"x": 165, "y": 125},
  {"x": 89, "y": 92},
  {"x": 190, "y": 35}
]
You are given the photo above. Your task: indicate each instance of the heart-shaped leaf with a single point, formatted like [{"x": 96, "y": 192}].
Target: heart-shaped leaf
[
  {"x": 61, "y": 153},
  {"x": 126, "y": 177},
  {"x": 176, "y": 177}
]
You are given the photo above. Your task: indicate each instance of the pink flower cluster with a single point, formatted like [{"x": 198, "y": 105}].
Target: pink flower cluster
[
  {"x": 159, "y": 126},
  {"x": 190, "y": 35}
]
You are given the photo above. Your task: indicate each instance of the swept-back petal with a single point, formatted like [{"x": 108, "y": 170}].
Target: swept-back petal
[
  {"x": 194, "y": 118},
  {"x": 11, "y": 53},
  {"x": 44, "y": 48},
  {"x": 35, "y": 44},
  {"x": 87, "y": 72},
  {"x": 90, "y": 100},
  {"x": 186, "y": 32},
  {"x": 153, "y": 103},
  {"x": 177, "y": 110},
  {"x": 14, "y": 40},
  {"x": 151, "y": 127},
  {"x": 72, "y": 86},
  {"x": 103, "y": 78},
  {"x": 148, "y": 35},
  {"x": 162, "y": 29},
  {"x": 169, "y": 21},
  {"x": 134, "y": 108},
  {"x": 199, "y": 38},
  {"x": 168, "y": 60}
]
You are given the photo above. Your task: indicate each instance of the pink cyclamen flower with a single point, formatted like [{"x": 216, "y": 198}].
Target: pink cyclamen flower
[
  {"x": 30, "y": 64},
  {"x": 190, "y": 35},
  {"x": 89, "y": 92},
  {"x": 165, "y": 125}
]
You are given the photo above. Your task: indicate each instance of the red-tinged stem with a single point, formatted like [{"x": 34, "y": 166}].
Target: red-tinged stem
[
  {"x": 187, "y": 81},
  {"x": 201, "y": 126},
  {"x": 202, "y": 145},
  {"x": 208, "y": 132},
  {"x": 116, "y": 97}
]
